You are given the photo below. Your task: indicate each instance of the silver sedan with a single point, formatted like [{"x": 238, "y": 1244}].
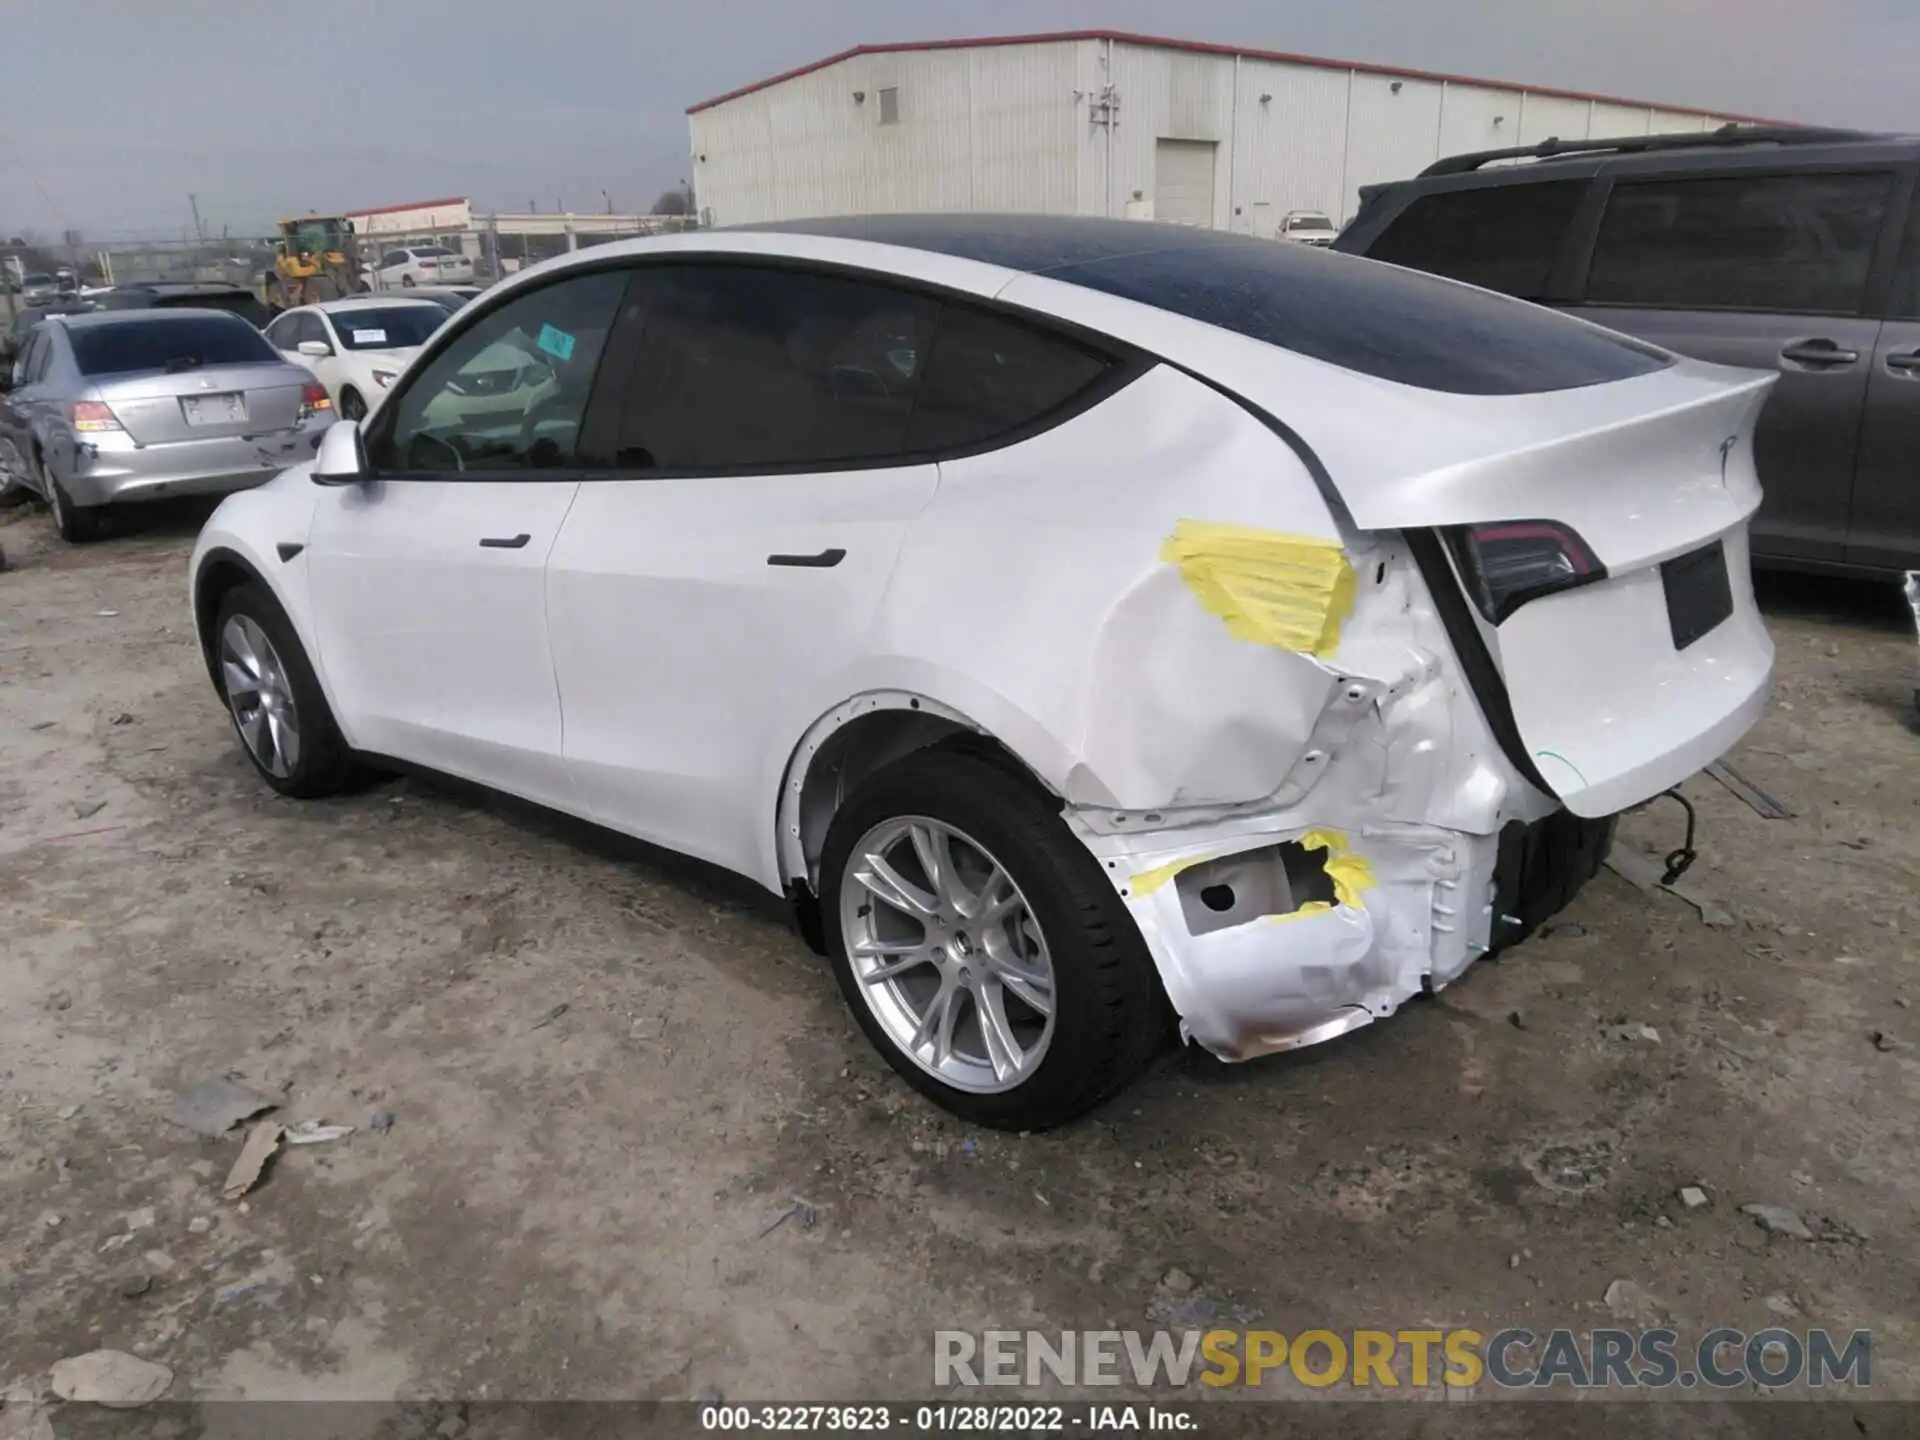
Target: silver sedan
[{"x": 118, "y": 406}]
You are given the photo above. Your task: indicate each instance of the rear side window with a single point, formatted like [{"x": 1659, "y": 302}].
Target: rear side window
[
  {"x": 988, "y": 377},
  {"x": 1740, "y": 242},
  {"x": 1394, "y": 324},
  {"x": 741, "y": 368},
  {"x": 177, "y": 343},
  {"x": 1502, "y": 237}
]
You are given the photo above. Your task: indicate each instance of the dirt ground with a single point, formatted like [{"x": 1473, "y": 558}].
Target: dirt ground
[{"x": 609, "y": 1073}]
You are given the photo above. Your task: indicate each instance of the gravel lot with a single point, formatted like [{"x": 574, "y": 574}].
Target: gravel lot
[{"x": 609, "y": 1072}]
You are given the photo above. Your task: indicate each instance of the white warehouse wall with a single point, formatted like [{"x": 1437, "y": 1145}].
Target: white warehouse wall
[{"x": 1074, "y": 125}]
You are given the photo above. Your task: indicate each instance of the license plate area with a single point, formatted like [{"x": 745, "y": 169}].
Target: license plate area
[
  {"x": 1699, "y": 593},
  {"x": 225, "y": 409}
]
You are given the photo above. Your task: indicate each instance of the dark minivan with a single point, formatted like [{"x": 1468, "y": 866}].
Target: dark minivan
[{"x": 1796, "y": 251}]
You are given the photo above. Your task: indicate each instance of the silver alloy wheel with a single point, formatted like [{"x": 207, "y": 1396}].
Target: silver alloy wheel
[
  {"x": 260, "y": 696},
  {"x": 948, "y": 954}
]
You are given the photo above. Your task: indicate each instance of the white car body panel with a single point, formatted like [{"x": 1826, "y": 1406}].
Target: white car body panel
[
  {"x": 1640, "y": 468},
  {"x": 731, "y": 656},
  {"x": 435, "y": 645},
  {"x": 638, "y": 662}
]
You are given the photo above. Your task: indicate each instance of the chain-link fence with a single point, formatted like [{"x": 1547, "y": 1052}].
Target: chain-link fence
[{"x": 493, "y": 248}]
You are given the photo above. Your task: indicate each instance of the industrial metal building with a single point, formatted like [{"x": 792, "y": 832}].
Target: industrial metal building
[{"x": 1104, "y": 123}]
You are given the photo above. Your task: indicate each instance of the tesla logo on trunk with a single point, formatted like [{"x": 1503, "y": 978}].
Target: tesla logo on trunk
[{"x": 1726, "y": 449}]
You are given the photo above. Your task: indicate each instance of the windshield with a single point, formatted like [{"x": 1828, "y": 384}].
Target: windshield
[
  {"x": 37, "y": 279},
  {"x": 431, "y": 250},
  {"x": 320, "y": 235},
  {"x": 387, "y": 327},
  {"x": 1309, "y": 222},
  {"x": 176, "y": 343}
]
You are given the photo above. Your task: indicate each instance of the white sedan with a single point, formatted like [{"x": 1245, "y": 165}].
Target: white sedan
[
  {"x": 1096, "y": 629},
  {"x": 358, "y": 347},
  {"x": 421, "y": 265}
]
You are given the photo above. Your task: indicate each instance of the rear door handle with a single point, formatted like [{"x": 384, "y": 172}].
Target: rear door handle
[
  {"x": 1819, "y": 352},
  {"x": 825, "y": 560},
  {"x": 1907, "y": 362},
  {"x": 504, "y": 542}
]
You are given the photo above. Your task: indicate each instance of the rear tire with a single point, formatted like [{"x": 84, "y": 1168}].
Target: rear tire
[
  {"x": 407, "y": 282},
  {"x": 1105, "y": 1015},
  {"x": 278, "y": 709},
  {"x": 77, "y": 526},
  {"x": 352, "y": 407}
]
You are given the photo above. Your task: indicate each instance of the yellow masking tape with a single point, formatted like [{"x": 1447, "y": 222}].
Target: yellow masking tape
[
  {"x": 1349, "y": 872},
  {"x": 1292, "y": 591},
  {"x": 1148, "y": 881}
]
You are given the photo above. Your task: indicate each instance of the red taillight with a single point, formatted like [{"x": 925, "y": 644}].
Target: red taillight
[
  {"x": 1509, "y": 562},
  {"x": 313, "y": 398},
  {"x": 90, "y": 417}
]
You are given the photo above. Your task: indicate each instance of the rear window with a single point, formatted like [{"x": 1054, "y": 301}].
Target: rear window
[
  {"x": 1740, "y": 242},
  {"x": 182, "y": 342},
  {"x": 1503, "y": 237},
  {"x": 1394, "y": 324}
]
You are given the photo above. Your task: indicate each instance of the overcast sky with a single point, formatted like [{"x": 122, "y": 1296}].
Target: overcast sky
[{"x": 117, "y": 110}]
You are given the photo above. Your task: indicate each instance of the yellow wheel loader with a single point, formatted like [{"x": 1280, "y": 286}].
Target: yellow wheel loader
[{"x": 316, "y": 258}]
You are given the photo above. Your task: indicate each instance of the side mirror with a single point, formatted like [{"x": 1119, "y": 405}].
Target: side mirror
[
  {"x": 342, "y": 458},
  {"x": 316, "y": 348}
]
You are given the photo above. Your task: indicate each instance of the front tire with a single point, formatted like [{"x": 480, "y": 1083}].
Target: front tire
[
  {"x": 278, "y": 709},
  {"x": 981, "y": 949}
]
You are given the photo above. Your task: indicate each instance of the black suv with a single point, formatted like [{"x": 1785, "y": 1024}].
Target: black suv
[{"x": 1796, "y": 251}]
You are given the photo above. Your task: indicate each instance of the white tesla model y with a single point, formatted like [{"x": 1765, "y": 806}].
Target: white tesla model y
[{"x": 1093, "y": 626}]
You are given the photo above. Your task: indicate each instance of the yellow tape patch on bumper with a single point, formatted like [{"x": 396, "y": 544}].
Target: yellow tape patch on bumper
[{"x": 1292, "y": 591}]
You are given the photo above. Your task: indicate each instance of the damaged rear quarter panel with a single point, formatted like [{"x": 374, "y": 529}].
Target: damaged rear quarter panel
[{"x": 1177, "y": 636}]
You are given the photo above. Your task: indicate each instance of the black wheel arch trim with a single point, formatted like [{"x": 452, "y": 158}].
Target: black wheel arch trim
[{"x": 206, "y": 604}]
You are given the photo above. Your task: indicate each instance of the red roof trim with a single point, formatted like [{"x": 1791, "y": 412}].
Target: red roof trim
[
  {"x": 1201, "y": 47},
  {"x": 442, "y": 203}
]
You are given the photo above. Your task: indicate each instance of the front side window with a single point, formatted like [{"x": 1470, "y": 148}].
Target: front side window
[
  {"x": 1770, "y": 243},
  {"x": 743, "y": 368},
  {"x": 1502, "y": 237},
  {"x": 509, "y": 392}
]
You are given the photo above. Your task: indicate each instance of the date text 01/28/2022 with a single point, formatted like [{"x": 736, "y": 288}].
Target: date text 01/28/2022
[{"x": 946, "y": 1419}]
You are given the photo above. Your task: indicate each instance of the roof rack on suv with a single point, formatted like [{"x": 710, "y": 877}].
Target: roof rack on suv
[{"x": 1554, "y": 147}]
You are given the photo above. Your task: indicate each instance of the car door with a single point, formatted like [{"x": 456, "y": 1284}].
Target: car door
[
  {"x": 330, "y": 368},
  {"x": 427, "y": 580},
  {"x": 1885, "y": 528},
  {"x": 1767, "y": 270},
  {"x": 710, "y": 596},
  {"x": 17, "y": 407}
]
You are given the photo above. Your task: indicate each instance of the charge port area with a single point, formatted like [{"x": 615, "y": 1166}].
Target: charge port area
[{"x": 1235, "y": 889}]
